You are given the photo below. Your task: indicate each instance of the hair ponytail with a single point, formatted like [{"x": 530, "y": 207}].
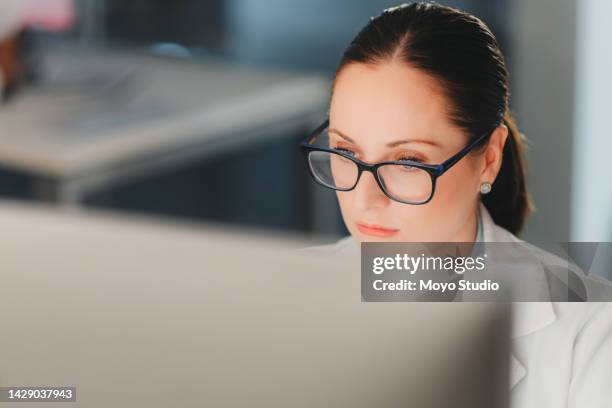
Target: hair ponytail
[{"x": 509, "y": 202}]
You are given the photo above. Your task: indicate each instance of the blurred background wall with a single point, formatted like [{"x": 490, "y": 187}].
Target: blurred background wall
[
  {"x": 251, "y": 173},
  {"x": 591, "y": 216}
]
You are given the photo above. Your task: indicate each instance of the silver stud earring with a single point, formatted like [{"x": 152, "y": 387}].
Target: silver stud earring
[{"x": 485, "y": 188}]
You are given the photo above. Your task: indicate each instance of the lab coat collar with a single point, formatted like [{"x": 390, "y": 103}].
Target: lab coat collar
[{"x": 527, "y": 317}]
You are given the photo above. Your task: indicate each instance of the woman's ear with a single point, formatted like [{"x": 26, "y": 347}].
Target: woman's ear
[{"x": 493, "y": 154}]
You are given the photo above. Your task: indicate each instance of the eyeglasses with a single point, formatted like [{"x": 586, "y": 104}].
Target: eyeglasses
[{"x": 405, "y": 181}]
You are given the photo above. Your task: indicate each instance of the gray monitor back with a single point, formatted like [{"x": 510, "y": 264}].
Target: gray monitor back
[{"x": 145, "y": 314}]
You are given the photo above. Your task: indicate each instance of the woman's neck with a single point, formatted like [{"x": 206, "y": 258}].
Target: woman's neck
[{"x": 469, "y": 232}]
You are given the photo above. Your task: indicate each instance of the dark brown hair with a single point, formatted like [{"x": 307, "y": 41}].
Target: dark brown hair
[{"x": 461, "y": 52}]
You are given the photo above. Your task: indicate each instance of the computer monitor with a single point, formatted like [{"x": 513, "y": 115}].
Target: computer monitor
[{"x": 141, "y": 313}]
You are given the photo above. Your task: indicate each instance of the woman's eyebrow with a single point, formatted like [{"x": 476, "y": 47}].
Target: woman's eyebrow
[{"x": 390, "y": 144}]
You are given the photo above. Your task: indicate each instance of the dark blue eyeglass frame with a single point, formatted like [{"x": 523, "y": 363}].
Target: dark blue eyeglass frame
[{"x": 434, "y": 170}]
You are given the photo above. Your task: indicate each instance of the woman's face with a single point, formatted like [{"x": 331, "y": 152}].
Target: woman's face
[{"x": 392, "y": 111}]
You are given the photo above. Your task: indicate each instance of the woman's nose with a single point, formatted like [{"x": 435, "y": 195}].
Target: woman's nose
[{"x": 367, "y": 193}]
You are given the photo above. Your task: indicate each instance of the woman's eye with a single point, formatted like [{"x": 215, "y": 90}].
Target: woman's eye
[
  {"x": 347, "y": 151},
  {"x": 411, "y": 159}
]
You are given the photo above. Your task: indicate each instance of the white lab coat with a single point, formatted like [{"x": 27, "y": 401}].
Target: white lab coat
[{"x": 561, "y": 352}]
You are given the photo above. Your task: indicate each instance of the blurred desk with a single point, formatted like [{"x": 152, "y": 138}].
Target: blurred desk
[{"x": 99, "y": 118}]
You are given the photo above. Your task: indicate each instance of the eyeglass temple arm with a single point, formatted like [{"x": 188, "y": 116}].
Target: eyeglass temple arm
[
  {"x": 451, "y": 161},
  {"x": 310, "y": 138}
]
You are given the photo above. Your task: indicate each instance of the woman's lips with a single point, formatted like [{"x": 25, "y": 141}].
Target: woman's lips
[{"x": 375, "y": 230}]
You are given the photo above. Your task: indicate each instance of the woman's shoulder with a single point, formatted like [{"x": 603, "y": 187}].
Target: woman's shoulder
[{"x": 586, "y": 285}]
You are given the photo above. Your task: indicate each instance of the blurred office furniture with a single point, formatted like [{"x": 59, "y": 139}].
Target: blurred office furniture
[
  {"x": 190, "y": 23},
  {"x": 197, "y": 24},
  {"x": 117, "y": 129}
]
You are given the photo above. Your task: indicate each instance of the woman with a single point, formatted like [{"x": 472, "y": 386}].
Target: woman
[{"x": 420, "y": 146}]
